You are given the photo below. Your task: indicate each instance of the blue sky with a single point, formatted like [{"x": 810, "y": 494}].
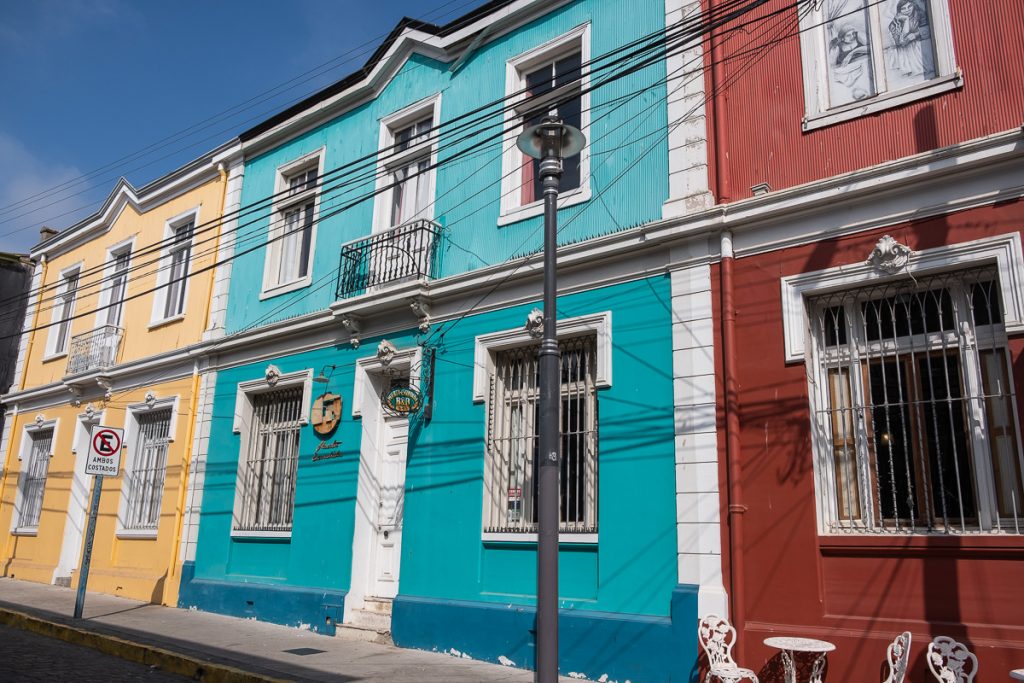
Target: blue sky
[{"x": 85, "y": 83}]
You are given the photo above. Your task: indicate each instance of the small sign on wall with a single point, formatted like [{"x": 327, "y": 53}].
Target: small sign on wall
[{"x": 105, "y": 447}]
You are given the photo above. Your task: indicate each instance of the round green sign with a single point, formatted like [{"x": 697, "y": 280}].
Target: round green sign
[{"x": 403, "y": 400}]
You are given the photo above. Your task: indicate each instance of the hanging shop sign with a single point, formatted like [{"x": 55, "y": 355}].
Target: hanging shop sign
[
  {"x": 402, "y": 400},
  {"x": 326, "y": 413}
]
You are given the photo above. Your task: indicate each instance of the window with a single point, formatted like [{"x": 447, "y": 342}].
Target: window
[
  {"x": 292, "y": 231},
  {"x": 146, "y": 470},
  {"x": 170, "y": 300},
  {"x": 270, "y": 460},
  {"x": 117, "y": 284},
  {"x": 548, "y": 81},
  {"x": 33, "y": 482},
  {"x": 405, "y": 167},
  {"x": 914, "y": 407},
  {"x": 862, "y": 56},
  {"x": 65, "y": 309},
  {"x": 512, "y": 441}
]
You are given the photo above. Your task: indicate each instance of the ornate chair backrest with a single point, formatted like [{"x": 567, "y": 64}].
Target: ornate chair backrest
[
  {"x": 951, "y": 662},
  {"x": 717, "y": 636},
  {"x": 897, "y": 657}
]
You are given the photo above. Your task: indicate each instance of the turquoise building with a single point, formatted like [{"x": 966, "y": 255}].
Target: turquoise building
[{"x": 386, "y": 238}]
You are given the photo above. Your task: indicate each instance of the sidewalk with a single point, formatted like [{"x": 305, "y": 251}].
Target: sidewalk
[{"x": 219, "y": 648}]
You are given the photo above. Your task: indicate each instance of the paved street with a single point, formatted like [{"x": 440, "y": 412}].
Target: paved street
[{"x": 31, "y": 657}]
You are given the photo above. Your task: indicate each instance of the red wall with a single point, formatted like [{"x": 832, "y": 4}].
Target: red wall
[
  {"x": 761, "y": 104},
  {"x": 856, "y": 592}
]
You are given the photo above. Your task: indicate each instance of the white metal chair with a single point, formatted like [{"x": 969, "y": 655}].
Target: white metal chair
[
  {"x": 951, "y": 662},
  {"x": 898, "y": 657},
  {"x": 717, "y": 637}
]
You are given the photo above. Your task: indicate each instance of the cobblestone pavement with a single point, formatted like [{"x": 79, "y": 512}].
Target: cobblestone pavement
[{"x": 26, "y": 656}]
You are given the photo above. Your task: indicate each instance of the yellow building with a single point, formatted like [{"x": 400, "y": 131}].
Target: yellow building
[{"x": 120, "y": 303}]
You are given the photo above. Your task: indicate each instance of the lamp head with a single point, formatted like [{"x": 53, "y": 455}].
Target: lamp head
[{"x": 551, "y": 138}]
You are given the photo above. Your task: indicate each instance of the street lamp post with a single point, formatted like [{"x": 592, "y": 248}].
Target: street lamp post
[{"x": 550, "y": 141}]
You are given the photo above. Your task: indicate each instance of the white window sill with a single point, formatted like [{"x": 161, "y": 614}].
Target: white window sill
[
  {"x": 565, "y": 199},
  {"x": 884, "y": 101},
  {"x": 278, "y": 290},
  {"x": 532, "y": 538},
  {"x": 136, "y": 533},
  {"x": 256, "y": 535},
  {"x": 56, "y": 356},
  {"x": 166, "y": 321},
  {"x": 25, "y": 531}
]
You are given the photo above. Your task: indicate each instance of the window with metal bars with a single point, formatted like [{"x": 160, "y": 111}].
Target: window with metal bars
[
  {"x": 34, "y": 478},
  {"x": 510, "y": 500},
  {"x": 271, "y": 460},
  {"x": 914, "y": 407},
  {"x": 147, "y": 469}
]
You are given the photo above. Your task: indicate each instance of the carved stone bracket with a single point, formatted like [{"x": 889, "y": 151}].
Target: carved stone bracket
[
  {"x": 39, "y": 420},
  {"x": 354, "y": 327},
  {"x": 421, "y": 309},
  {"x": 889, "y": 256},
  {"x": 107, "y": 386},
  {"x": 90, "y": 412},
  {"x": 386, "y": 352},
  {"x": 76, "y": 396},
  {"x": 272, "y": 374},
  {"x": 150, "y": 399},
  {"x": 535, "y": 323}
]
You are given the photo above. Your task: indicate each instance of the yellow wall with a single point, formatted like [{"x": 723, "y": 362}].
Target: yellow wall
[
  {"x": 146, "y": 229},
  {"x": 141, "y": 568}
]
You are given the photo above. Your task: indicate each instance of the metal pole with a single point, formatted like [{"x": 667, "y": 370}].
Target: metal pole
[
  {"x": 90, "y": 534},
  {"x": 547, "y": 471}
]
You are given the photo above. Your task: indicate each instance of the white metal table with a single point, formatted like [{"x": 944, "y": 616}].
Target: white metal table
[
  {"x": 1017, "y": 674},
  {"x": 789, "y": 646}
]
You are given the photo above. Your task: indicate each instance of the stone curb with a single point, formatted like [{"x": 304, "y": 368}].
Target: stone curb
[{"x": 165, "y": 660}]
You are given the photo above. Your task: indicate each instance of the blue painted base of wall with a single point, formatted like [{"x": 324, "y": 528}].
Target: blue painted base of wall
[
  {"x": 313, "y": 608},
  {"x": 637, "y": 648}
]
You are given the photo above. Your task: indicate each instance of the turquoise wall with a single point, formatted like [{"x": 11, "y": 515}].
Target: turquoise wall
[
  {"x": 632, "y": 569},
  {"x": 629, "y": 160}
]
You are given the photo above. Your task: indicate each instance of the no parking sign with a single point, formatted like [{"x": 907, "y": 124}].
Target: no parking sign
[{"x": 104, "y": 451}]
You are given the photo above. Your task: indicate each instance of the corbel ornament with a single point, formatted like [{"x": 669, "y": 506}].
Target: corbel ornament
[
  {"x": 535, "y": 323},
  {"x": 889, "y": 256},
  {"x": 107, "y": 386},
  {"x": 40, "y": 419},
  {"x": 271, "y": 374},
  {"x": 150, "y": 399},
  {"x": 386, "y": 352},
  {"x": 421, "y": 309},
  {"x": 354, "y": 327}
]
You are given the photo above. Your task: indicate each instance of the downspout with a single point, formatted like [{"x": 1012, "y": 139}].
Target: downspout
[
  {"x": 193, "y": 403},
  {"x": 723, "y": 193},
  {"x": 44, "y": 262}
]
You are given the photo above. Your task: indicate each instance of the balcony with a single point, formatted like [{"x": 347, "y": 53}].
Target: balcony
[
  {"x": 407, "y": 253},
  {"x": 95, "y": 350}
]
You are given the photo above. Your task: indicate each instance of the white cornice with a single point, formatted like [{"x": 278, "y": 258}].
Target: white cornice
[{"x": 977, "y": 173}]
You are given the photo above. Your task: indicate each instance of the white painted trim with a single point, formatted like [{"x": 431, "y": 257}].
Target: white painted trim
[
  {"x": 27, "y": 430},
  {"x": 246, "y": 390},
  {"x": 26, "y": 329},
  {"x": 527, "y": 538},
  {"x": 163, "y": 274},
  {"x": 225, "y": 251},
  {"x": 113, "y": 251},
  {"x": 814, "y": 55},
  {"x": 197, "y": 467},
  {"x": 78, "y": 498},
  {"x": 61, "y": 290},
  {"x": 388, "y": 126},
  {"x": 511, "y": 170},
  {"x": 276, "y": 224},
  {"x": 131, "y": 433},
  {"x": 404, "y": 359},
  {"x": 1003, "y": 250},
  {"x": 488, "y": 344},
  {"x": 260, "y": 534}
]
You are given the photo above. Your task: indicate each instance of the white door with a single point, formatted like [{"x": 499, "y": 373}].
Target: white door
[
  {"x": 78, "y": 503},
  {"x": 386, "y": 548}
]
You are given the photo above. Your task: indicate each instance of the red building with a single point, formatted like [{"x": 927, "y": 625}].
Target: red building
[{"x": 870, "y": 159}]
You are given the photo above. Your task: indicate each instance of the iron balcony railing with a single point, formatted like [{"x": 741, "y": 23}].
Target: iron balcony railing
[
  {"x": 407, "y": 252},
  {"x": 95, "y": 350}
]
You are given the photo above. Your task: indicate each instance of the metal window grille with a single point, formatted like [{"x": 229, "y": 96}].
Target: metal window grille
[
  {"x": 35, "y": 477},
  {"x": 512, "y": 440},
  {"x": 914, "y": 409},
  {"x": 268, "y": 473},
  {"x": 148, "y": 470}
]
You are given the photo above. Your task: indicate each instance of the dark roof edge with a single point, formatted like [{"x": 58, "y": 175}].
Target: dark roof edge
[{"x": 378, "y": 54}]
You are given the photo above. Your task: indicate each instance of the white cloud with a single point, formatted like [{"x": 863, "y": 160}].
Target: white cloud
[{"x": 26, "y": 180}]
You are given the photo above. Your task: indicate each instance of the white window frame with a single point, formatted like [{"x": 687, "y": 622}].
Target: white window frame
[
  {"x": 486, "y": 346},
  {"x": 814, "y": 55},
  {"x": 244, "y": 395},
  {"x": 55, "y": 316},
  {"x": 1003, "y": 251},
  {"x": 24, "y": 452},
  {"x": 282, "y": 203},
  {"x": 131, "y": 437},
  {"x": 512, "y": 211},
  {"x": 163, "y": 276},
  {"x": 388, "y": 160},
  {"x": 102, "y": 313}
]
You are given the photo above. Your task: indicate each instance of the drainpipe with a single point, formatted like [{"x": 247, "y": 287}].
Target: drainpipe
[
  {"x": 193, "y": 403},
  {"x": 732, "y": 442}
]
